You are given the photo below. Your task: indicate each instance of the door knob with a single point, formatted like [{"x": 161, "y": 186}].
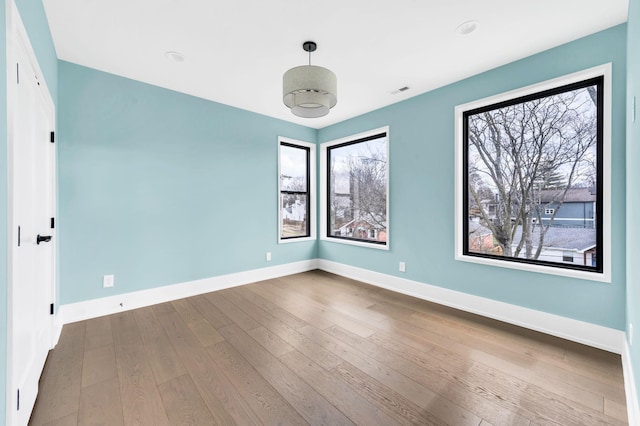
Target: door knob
[{"x": 43, "y": 239}]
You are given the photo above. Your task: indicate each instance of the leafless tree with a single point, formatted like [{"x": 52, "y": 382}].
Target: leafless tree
[
  {"x": 364, "y": 176},
  {"x": 290, "y": 183},
  {"x": 516, "y": 150},
  {"x": 368, "y": 178}
]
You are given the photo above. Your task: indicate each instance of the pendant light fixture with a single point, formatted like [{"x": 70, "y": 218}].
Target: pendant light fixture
[{"x": 309, "y": 90}]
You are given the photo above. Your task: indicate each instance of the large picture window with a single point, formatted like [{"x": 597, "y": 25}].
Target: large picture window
[
  {"x": 355, "y": 189},
  {"x": 532, "y": 176},
  {"x": 296, "y": 179}
]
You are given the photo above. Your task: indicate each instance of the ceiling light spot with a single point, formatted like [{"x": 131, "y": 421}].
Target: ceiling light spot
[
  {"x": 174, "y": 56},
  {"x": 467, "y": 27}
]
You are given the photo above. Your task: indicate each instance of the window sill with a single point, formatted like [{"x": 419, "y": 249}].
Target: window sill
[
  {"x": 356, "y": 243},
  {"x": 296, "y": 240},
  {"x": 604, "y": 277}
]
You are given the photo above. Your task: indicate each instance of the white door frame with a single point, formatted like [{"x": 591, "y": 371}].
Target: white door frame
[{"x": 17, "y": 35}]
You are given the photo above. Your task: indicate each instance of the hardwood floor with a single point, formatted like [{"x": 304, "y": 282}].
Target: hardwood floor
[{"x": 319, "y": 349}]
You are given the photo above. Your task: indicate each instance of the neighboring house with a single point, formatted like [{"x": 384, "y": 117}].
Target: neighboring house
[
  {"x": 577, "y": 210},
  {"x": 563, "y": 244},
  {"x": 480, "y": 238},
  {"x": 363, "y": 229},
  {"x": 294, "y": 212}
]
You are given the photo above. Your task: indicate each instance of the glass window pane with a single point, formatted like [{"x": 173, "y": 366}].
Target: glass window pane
[
  {"x": 533, "y": 175},
  {"x": 294, "y": 215},
  {"x": 293, "y": 168},
  {"x": 358, "y": 191}
]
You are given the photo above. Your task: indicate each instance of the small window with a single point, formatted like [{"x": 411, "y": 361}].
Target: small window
[
  {"x": 296, "y": 181},
  {"x": 355, "y": 186},
  {"x": 525, "y": 154},
  {"x": 567, "y": 256}
]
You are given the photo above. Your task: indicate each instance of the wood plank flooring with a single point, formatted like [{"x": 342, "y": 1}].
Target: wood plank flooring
[{"x": 319, "y": 349}]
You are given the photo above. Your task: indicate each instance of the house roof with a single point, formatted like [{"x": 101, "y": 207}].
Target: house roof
[
  {"x": 374, "y": 224},
  {"x": 573, "y": 195},
  {"x": 579, "y": 239},
  {"x": 475, "y": 229}
]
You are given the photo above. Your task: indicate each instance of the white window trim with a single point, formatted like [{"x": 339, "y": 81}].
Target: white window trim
[
  {"x": 605, "y": 276},
  {"x": 312, "y": 192},
  {"x": 323, "y": 190}
]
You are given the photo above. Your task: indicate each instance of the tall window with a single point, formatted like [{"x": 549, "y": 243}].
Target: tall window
[
  {"x": 355, "y": 189},
  {"x": 296, "y": 182},
  {"x": 532, "y": 176}
]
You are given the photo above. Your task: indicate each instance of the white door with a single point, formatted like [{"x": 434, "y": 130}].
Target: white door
[{"x": 32, "y": 186}]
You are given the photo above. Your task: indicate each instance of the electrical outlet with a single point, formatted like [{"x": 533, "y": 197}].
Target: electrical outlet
[
  {"x": 403, "y": 267},
  {"x": 108, "y": 281},
  {"x": 268, "y": 256}
]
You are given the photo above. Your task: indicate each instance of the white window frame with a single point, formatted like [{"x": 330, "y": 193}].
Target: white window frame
[
  {"x": 549, "y": 211},
  {"x": 312, "y": 191},
  {"x": 323, "y": 190},
  {"x": 601, "y": 70}
]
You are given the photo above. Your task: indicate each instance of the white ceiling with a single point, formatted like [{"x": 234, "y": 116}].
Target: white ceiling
[{"x": 236, "y": 51}]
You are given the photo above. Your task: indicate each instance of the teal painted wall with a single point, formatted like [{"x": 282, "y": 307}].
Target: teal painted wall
[
  {"x": 633, "y": 188},
  {"x": 4, "y": 205},
  {"x": 160, "y": 188},
  {"x": 32, "y": 13},
  {"x": 422, "y": 189}
]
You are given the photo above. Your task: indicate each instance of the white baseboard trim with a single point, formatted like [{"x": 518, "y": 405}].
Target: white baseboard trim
[
  {"x": 630, "y": 388},
  {"x": 123, "y": 302},
  {"x": 578, "y": 331}
]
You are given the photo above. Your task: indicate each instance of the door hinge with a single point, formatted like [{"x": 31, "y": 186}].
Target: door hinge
[
  {"x": 18, "y": 406},
  {"x": 51, "y": 309},
  {"x": 17, "y": 73},
  {"x": 53, "y": 137},
  {"x": 18, "y": 236},
  {"x": 53, "y": 223}
]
